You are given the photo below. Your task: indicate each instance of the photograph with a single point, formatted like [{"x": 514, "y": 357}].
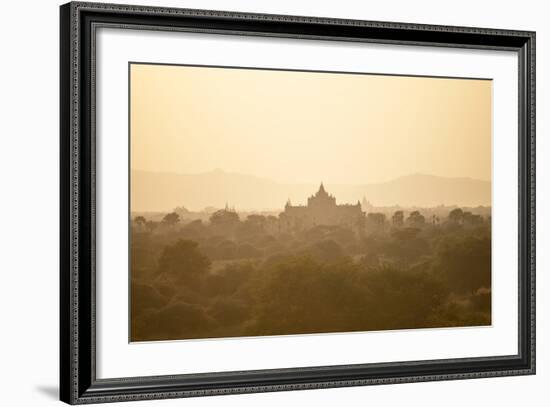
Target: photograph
[
  {"x": 275, "y": 199},
  {"x": 267, "y": 202}
]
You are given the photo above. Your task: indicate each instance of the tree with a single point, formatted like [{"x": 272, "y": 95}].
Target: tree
[
  {"x": 327, "y": 251},
  {"x": 466, "y": 263},
  {"x": 272, "y": 223},
  {"x": 397, "y": 218},
  {"x": 360, "y": 223},
  {"x": 151, "y": 225},
  {"x": 468, "y": 218},
  {"x": 182, "y": 262},
  {"x": 181, "y": 209},
  {"x": 405, "y": 233},
  {"x": 225, "y": 220},
  {"x": 246, "y": 251},
  {"x": 376, "y": 220},
  {"x": 140, "y": 220},
  {"x": 171, "y": 219},
  {"x": 375, "y": 217},
  {"x": 416, "y": 219},
  {"x": 456, "y": 215},
  {"x": 176, "y": 320},
  {"x": 258, "y": 220},
  {"x": 253, "y": 225}
]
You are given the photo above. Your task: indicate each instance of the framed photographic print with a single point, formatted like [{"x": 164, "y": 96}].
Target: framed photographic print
[{"x": 255, "y": 203}]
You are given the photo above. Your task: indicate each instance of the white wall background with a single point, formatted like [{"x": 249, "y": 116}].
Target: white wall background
[{"x": 29, "y": 163}]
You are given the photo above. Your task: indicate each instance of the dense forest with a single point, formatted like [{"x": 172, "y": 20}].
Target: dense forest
[{"x": 235, "y": 275}]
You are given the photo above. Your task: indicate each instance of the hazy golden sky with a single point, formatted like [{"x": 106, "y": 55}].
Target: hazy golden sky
[{"x": 303, "y": 127}]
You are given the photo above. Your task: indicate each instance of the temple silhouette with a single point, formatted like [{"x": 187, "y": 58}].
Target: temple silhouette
[{"x": 321, "y": 209}]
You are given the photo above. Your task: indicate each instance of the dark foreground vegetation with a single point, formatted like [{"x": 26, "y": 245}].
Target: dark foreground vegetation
[{"x": 245, "y": 277}]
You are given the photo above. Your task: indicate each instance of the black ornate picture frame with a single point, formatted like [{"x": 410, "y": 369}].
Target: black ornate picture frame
[{"x": 78, "y": 381}]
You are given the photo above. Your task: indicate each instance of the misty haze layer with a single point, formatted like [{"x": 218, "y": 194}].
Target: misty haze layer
[{"x": 152, "y": 191}]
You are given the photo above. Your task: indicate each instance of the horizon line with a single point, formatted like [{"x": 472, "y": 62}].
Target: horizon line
[
  {"x": 254, "y": 210},
  {"x": 219, "y": 170}
]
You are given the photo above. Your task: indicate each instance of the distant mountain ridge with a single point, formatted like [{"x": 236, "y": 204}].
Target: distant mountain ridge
[{"x": 157, "y": 191}]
